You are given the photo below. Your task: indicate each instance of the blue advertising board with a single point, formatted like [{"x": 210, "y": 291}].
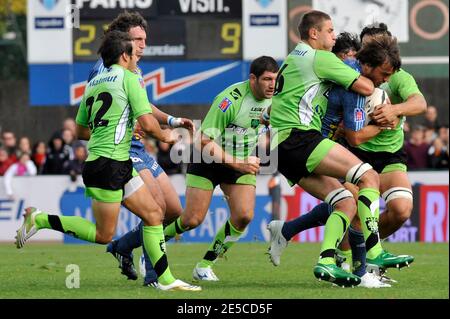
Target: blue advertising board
[{"x": 175, "y": 82}]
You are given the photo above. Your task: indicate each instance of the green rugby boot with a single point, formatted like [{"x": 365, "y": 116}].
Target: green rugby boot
[
  {"x": 336, "y": 275},
  {"x": 387, "y": 260}
]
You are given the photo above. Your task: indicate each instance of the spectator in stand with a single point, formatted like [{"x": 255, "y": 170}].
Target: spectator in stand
[
  {"x": 69, "y": 142},
  {"x": 163, "y": 159},
  {"x": 24, "y": 146},
  {"x": 24, "y": 167},
  {"x": 75, "y": 166},
  {"x": 56, "y": 156},
  {"x": 9, "y": 142},
  {"x": 430, "y": 134},
  {"x": 69, "y": 124},
  {"x": 430, "y": 119},
  {"x": 39, "y": 155},
  {"x": 417, "y": 149},
  {"x": 406, "y": 130},
  {"x": 5, "y": 160},
  {"x": 438, "y": 153}
]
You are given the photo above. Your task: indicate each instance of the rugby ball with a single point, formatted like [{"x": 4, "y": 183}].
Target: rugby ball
[{"x": 378, "y": 97}]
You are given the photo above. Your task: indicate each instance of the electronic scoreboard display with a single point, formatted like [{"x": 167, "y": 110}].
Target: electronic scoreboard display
[{"x": 178, "y": 29}]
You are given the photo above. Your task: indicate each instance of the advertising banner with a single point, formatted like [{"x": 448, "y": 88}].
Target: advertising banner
[
  {"x": 49, "y": 31},
  {"x": 95, "y": 9},
  {"x": 265, "y": 28},
  {"x": 219, "y": 8},
  {"x": 167, "y": 82},
  {"x": 353, "y": 15},
  {"x": 58, "y": 195}
]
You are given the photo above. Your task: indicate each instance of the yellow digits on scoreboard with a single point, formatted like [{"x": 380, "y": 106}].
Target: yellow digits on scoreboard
[{"x": 231, "y": 32}]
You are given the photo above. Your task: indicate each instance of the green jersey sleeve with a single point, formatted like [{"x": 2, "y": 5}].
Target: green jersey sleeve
[
  {"x": 402, "y": 85},
  {"x": 82, "y": 115},
  {"x": 137, "y": 94},
  {"x": 328, "y": 67},
  {"x": 220, "y": 114}
]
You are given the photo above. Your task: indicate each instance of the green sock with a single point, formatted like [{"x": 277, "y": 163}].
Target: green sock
[
  {"x": 225, "y": 238},
  {"x": 153, "y": 238},
  {"x": 369, "y": 220},
  {"x": 173, "y": 229},
  {"x": 335, "y": 229},
  {"x": 75, "y": 226}
]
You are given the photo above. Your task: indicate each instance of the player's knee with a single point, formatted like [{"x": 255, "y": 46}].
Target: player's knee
[
  {"x": 153, "y": 215},
  {"x": 348, "y": 206},
  {"x": 342, "y": 199},
  {"x": 399, "y": 201},
  {"x": 370, "y": 179},
  {"x": 244, "y": 219},
  {"x": 402, "y": 213},
  {"x": 103, "y": 237},
  {"x": 363, "y": 175},
  {"x": 191, "y": 221}
]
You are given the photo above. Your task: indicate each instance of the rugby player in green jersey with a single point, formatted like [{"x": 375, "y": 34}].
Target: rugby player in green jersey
[
  {"x": 112, "y": 102},
  {"x": 385, "y": 153},
  {"x": 151, "y": 173},
  {"x": 228, "y": 136},
  {"x": 312, "y": 161}
]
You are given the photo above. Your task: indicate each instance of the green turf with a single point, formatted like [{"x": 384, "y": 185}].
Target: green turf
[{"x": 39, "y": 271}]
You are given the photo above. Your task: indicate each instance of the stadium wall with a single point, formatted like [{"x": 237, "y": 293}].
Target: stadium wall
[{"x": 55, "y": 194}]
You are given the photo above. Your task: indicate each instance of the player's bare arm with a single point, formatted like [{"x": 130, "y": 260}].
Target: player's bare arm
[
  {"x": 363, "y": 86},
  {"x": 150, "y": 126},
  {"x": 355, "y": 138},
  {"x": 248, "y": 166},
  {"x": 83, "y": 132},
  {"x": 164, "y": 118},
  {"x": 414, "y": 105}
]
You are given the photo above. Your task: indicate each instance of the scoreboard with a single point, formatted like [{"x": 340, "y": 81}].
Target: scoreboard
[
  {"x": 194, "y": 48},
  {"x": 178, "y": 29}
]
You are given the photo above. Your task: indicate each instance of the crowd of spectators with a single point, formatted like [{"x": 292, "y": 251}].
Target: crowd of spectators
[
  {"x": 426, "y": 142},
  {"x": 426, "y": 146}
]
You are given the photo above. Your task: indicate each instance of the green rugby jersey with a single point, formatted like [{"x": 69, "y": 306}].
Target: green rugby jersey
[
  {"x": 111, "y": 103},
  {"x": 302, "y": 85},
  {"x": 400, "y": 86},
  {"x": 233, "y": 119}
]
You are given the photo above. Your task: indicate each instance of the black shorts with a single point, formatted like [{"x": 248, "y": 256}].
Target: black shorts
[
  {"x": 107, "y": 174},
  {"x": 379, "y": 160},
  {"x": 294, "y": 152},
  {"x": 208, "y": 176}
]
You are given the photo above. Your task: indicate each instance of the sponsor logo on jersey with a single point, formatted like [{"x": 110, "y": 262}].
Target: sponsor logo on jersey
[
  {"x": 225, "y": 104},
  {"x": 359, "y": 115},
  {"x": 254, "y": 123},
  {"x": 49, "y": 4}
]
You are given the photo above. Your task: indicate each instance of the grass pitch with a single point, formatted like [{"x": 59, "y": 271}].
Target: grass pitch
[{"x": 39, "y": 271}]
